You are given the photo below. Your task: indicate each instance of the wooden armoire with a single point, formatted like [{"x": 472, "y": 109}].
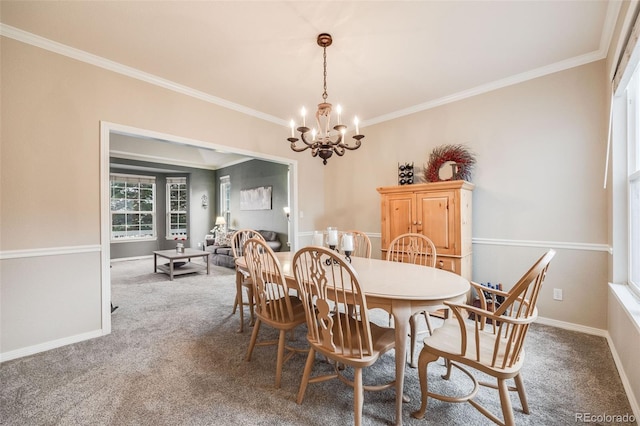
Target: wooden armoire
[{"x": 439, "y": 210}]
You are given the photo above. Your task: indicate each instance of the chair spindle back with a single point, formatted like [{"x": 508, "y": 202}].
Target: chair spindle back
[
  {"x": 335, "y": 307},
  {"x": 270, "y": 289},
  {"x": 412, "y": 248}
]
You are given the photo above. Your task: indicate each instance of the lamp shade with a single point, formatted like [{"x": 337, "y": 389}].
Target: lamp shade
[{"x": 220, "y": 220}]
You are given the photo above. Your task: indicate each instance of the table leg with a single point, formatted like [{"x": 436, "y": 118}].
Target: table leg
[
  {"x": 401, "y": 314},
  {"x": 239, "y": 298},
  {"x": 206, "y": 259},
  {"x": 155, "y": 263},
  {"x": 170, "y": 269}
]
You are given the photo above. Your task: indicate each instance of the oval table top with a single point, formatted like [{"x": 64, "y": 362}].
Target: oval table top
[{"x": 393, "y": 280}]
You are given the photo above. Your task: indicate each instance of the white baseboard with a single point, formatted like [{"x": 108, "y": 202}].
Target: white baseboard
[
  {"x": 42, "y": 347},
  {"x": 574, "y": 327},
  {"x": 616, "y": 358},
  {"x": 625, "y": 380},
  {"x": 124, "y": 259}
]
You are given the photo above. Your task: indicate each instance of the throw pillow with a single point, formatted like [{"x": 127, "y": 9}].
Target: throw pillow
[{"x": 223, "y": 239}]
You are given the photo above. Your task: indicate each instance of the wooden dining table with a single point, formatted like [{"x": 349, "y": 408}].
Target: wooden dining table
[{"x": 401, "y": 289}]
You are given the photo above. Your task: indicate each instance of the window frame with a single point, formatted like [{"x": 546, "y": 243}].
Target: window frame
[
  {"x": 632, "y": 177},
  {"x": 129, "y": 179},
  {"x": 176, "y": 180},
  {"x": 225, "y": 198}
]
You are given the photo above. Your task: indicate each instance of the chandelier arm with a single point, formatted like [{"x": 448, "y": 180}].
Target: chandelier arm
[
  {"x": 352, "y": 148},
  {"x": 306, "y": 146},
  {"x": 304, "y": 139},
  {"x": 339, "y": 149},
  {"x": 301, "y": 149}
]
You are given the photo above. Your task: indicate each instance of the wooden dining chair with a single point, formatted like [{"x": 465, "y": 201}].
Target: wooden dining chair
[
  {"x": 420, "y": 250},
  {"x": 243, "y": 280},
  {"x": 361, "y": 243},
  {"x": 491, "y": 343},
  {"x": 338, "y": 325},
  {"x": 274, "y": 305}
]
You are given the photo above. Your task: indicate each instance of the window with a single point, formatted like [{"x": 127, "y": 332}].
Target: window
[
  {"x": 225, "y": 198},
  {"x": 132, "y": 207},
  {"x": 176, "y": 207},
  {"x": 633, "y": 177}
]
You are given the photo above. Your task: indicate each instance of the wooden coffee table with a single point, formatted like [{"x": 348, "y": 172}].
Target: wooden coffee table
[{"x": 173, "y": 256}]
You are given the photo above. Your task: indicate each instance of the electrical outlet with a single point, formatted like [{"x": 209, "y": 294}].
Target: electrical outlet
[{"x": 557, "y": 294}]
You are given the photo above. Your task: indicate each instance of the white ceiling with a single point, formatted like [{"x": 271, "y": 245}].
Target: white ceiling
[{"x": 388, "y": 58}]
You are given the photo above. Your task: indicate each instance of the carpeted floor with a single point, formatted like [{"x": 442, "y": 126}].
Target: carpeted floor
[{"x": 174, "y": 357}]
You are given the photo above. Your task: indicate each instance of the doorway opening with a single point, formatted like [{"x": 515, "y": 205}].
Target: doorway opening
[{"x": 160, "y": 148}]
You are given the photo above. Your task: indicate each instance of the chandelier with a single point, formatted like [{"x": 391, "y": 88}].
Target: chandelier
[{"x": 322, "y": 141}]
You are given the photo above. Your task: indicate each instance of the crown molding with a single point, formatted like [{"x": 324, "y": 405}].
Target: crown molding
[
  {"x": 81, "y": 55},
  {"x": 489, "y": 87},
  {"x": 52, "y": 46},
  {"x": 613, "y": 10}
]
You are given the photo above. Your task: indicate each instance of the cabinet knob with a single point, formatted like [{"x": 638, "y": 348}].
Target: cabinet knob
[{"x": 440, "y": 264}]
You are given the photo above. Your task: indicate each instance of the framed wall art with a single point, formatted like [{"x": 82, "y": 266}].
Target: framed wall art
[{"x": 256, "y": 198}]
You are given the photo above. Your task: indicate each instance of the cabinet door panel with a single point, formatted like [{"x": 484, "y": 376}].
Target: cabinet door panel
[
  {"x": 398, "y": 217},
  {"x": 436, "y": 220}
]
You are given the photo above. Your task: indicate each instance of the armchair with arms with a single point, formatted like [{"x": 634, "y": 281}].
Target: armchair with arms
[{"x": 495, "y": 349}]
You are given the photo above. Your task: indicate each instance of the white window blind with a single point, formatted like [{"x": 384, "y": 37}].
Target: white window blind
[{"x": 629, "y": 59}]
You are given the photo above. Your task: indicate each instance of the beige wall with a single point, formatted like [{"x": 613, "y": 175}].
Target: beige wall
[
  {"x": 539, "y": 144},
  {"x": 540, "y": 148},
  {"x": 51, "y": 109}
]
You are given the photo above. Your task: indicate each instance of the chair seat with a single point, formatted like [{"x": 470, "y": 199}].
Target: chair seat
[
  {"x": 445, "y": 341},
  {"x": 298, "y": 315},
  {"x": 274, "y": 303},
  {"x": 338, "y": 324},
  {"x": 383, "y": 339},
  {"x": 238, "y": 239}
]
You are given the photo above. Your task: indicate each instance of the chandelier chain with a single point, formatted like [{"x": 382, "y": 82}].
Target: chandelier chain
[{"x": 324, "y": 56}]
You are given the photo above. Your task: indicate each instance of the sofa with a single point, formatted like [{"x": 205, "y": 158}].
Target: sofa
[{"x": 219, "y": 245}]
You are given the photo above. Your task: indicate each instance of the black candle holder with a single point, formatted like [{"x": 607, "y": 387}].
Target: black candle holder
[
  {"x": 328, "y": 261},
  {"x": 347, "y": 255}
]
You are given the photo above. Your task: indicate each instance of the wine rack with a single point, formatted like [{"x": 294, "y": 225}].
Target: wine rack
[{"x": 405, "y": 173}]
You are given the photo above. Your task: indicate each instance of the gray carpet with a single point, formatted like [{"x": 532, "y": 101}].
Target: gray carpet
[{"x": 174, "y": 357}]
